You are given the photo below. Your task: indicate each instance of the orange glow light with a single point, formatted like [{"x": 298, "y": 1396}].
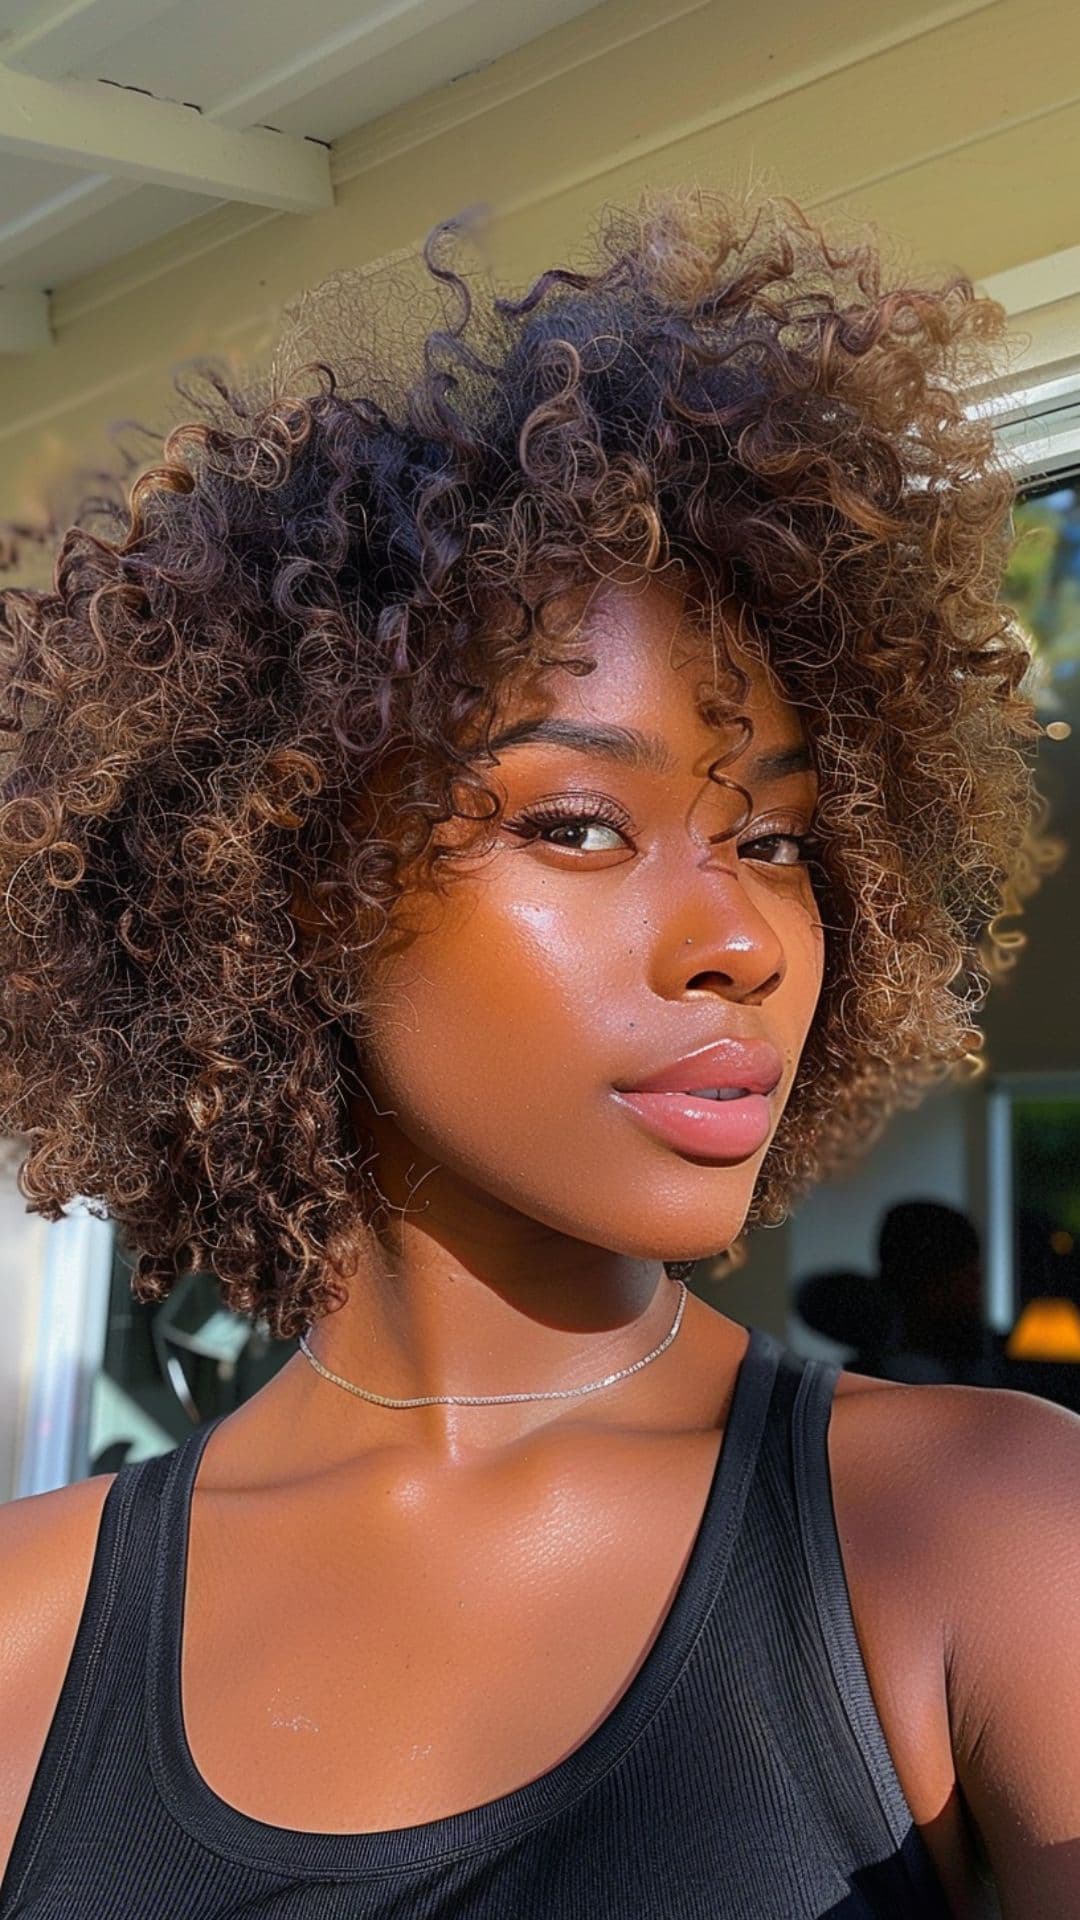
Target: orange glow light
[{"x": 1048, "y": 1329}]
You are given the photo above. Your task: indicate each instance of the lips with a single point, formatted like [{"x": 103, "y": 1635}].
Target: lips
[{"x": 753, "y": 1066}]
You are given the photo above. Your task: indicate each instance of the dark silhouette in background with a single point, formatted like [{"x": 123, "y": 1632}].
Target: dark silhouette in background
[
  {"x": 929, "y": 1261},
  {"x": 853, "y": 1309},
  {"x": 919, "y": 1319}
]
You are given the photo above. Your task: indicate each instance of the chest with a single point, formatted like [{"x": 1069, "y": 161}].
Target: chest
[
  {"x": 425, "y": 1647},
  {"x": 429, "y": 1646}
]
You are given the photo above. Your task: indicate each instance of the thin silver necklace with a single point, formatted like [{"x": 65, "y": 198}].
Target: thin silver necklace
[{"x": 501, "y": 1399}]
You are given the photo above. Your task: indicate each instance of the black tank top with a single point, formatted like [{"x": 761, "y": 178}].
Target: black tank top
[{"x": 742, "y": 1775}]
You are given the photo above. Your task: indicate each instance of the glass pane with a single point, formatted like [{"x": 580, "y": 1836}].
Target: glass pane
[
  {"x": 1043, "y": 586},
  {"x": 1046, "y": 1194}
]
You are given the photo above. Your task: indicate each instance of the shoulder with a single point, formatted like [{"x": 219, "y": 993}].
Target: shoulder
[
  {"x": 972, "y": 1479},
  {"x": 35, "y": 1523},
  {"x": 47, "y": 1545},
  {"x": 950, "y": 1455},
  {"x": 45, "y": 1538},
  {"x": 991, "y": 1485}
]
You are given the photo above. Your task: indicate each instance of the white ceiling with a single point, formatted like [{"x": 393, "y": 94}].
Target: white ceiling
[{"x": 122, "y": 119}]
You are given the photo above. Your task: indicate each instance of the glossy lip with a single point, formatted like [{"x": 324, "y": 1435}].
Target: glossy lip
[
  {"x": 752, "y": 1064},
  {"x": 716, "y": 1130}
]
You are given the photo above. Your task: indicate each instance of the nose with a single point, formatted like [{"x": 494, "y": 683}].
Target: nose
[{"x": 724, "y": 945}]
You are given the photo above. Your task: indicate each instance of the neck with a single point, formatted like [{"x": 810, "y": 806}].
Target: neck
[{"x": 432, "y": 1316}]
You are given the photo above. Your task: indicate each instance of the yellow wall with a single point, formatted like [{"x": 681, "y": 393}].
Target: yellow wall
[{"x": 956, "y": 127}]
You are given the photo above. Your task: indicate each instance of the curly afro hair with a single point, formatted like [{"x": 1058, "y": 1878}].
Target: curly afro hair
[{"x": 270, "y": 675}]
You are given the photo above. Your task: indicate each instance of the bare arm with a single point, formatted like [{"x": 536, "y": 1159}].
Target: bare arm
[{"x": 1013, "y": 1644}]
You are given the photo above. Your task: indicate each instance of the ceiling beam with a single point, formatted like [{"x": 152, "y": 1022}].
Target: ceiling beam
[
  {"x": 62, "y": 36},
  {"x": 107, "y": 129}
]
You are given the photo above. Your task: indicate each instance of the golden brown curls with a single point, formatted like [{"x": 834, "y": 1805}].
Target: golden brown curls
[{"x": 268, "y": 682}]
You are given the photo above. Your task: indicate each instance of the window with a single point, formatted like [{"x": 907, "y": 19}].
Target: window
[{"x": 1033, "y": 1125}]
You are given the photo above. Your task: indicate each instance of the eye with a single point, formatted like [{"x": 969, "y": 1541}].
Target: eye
[
  {"x": 570, "y": 817},
  {"x": 780, "y": 849}
]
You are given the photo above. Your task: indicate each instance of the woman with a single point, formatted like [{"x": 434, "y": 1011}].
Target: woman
[{"x": 470, "y": 854}]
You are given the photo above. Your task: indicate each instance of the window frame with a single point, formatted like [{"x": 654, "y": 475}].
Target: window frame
[{"x": 999, "y": 1264}]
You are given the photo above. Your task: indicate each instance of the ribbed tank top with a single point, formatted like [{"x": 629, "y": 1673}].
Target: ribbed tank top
[{"x": 742, "y": 1775}]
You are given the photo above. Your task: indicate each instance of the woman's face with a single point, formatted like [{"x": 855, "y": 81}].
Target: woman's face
[{"x": 576, "y": 956}]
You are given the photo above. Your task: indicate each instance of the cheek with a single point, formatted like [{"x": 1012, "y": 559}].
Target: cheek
[{"x": 495, "y": 1020}]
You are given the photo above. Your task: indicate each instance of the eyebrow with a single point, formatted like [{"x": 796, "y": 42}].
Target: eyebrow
[{"x": 643, "y": 752}]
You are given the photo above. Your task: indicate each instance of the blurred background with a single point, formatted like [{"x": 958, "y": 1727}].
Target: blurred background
[{"x": 174, "y": 173}]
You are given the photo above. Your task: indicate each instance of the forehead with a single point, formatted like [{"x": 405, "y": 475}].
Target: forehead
[{"x": 656, "y": 665}]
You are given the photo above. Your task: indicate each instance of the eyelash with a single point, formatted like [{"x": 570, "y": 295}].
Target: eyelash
[{"x": 538, "y": 819}]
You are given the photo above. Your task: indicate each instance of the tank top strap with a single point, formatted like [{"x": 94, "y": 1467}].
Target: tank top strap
[
  {"x": 105, "y": 1665},
  {"x": 166, "y": 1560},
  {"x": 814, "y": 1388},
  {"x": 770, "y": 1494},
  {"x": 113, "y": 1596}
]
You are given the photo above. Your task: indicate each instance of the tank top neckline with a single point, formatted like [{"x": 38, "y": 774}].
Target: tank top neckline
[{"x": 238, "y": 1836}]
